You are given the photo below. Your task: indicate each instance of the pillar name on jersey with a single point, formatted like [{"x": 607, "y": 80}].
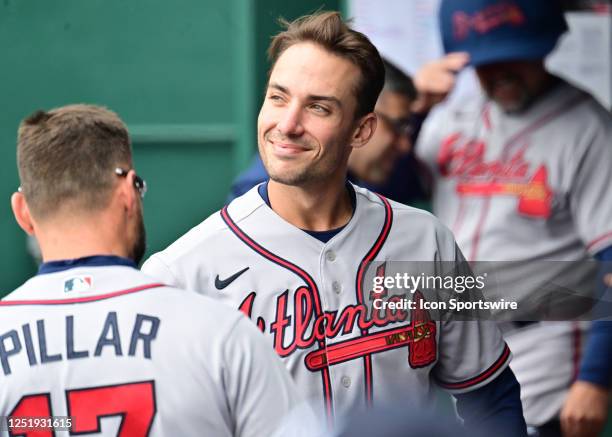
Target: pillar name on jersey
[{"x": 30, "y": 340}]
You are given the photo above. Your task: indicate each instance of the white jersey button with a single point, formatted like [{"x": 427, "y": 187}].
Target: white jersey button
[
  {"x": 330, "y": 255},
  {"x": 336, "y": 287},
  {"x": 346, "y": 381}
]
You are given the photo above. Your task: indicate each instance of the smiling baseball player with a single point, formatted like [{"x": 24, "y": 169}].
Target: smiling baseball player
[
  {"x": 292, "y": 253},
  {"x": 91, "y": 344}
]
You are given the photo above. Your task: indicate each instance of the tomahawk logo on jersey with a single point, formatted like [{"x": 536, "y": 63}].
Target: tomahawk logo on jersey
[
  {"x": 313, "y": 301},
  {"x": 129, "y": 356}
]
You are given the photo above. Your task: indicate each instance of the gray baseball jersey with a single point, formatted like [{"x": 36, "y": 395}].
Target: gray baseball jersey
[
  {"x": 124, "y": 355},
  {"x": 311, "y": 300},
  {"x": 528, "y": 187}
]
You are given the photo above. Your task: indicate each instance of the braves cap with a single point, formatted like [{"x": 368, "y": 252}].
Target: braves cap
[{"x": 501, "y": 30}]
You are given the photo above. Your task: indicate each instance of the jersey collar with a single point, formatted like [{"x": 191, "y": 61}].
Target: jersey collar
[
  {"x": 262, "y": 189},
  {"x": 87, "y": 261},
  {"x": 322, "y": 236}
]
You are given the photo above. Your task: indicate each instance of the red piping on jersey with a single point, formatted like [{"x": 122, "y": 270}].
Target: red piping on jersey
[
  {"x": 483, "y": 376},
  {"x": 484, "y": 212},
  {"x": 486, "y": 117},
  {"x": 598, "y": 240},
  {"x": 566, "y": 106},
  {"x": 382, "y": 237},
  {"x": 80, "y": 299},
  {"x": 511, "y": 141},
  {"x": 460, "y": 215},
  {"x": 312, "y": 286}
]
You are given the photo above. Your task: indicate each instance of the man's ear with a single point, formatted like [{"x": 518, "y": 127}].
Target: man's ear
[
  {"x": 126, "y": 193},
  {"x": 22, "y": 213},
  {"x": 364, "y": 131}
]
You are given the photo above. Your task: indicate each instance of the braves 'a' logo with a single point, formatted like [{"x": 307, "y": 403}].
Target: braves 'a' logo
[{"x": 464, "y": 159}]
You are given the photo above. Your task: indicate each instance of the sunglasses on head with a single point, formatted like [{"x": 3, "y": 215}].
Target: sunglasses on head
[
  {"x": 400, "y": 126},
  {"x": 139, "y": 183}
]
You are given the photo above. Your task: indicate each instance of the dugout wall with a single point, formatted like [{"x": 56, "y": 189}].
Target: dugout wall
[{"x": 187, "y": 77}]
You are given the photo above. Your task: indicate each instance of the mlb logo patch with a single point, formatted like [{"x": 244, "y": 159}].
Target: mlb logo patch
[{"x": 78, "y": 283}]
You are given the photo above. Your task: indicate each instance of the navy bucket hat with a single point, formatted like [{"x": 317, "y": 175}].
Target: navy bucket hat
[{"x": 501, "y": 30}]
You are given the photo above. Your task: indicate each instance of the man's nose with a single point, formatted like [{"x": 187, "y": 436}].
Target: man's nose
[{"x": 290, "y": 122}]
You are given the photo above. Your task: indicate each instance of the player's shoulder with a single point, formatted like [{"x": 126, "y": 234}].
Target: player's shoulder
[
  {"x": 375, "y": 201},
  {"x": 118, "y": 288},
  {"x": 462, "y": 109},
  {"x": 403, "y": 216},
  {"x": 191, "y": 314},
  {"x": 196, "y": 309},
  {"x": 81, "y": 283},
  {"x": 584, "y": 124},
  {"x": 447, "y": 118},
  {"x": 213, "y": 232},
  {"x": 579, "y": 101}
]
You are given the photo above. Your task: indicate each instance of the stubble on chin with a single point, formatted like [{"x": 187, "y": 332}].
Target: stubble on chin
[
  {"x": 296, "y": 177},
  {"x": 299, "y": 175}
]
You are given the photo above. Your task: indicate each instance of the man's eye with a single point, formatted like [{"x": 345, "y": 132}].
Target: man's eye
[
  {"x": 320, "y": 109},
  {"x": 275, "y": 98}
]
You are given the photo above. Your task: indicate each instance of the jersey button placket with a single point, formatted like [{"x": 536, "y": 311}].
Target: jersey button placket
[{"x": 327, "y": 273}]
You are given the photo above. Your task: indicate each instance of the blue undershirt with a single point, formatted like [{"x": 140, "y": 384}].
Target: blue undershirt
[
  {"x": 323, "y": 236},
  {"x": 596, "y": 366},
  {"x": 87, "y": 261},
  {"x": 495, "y": 408}
]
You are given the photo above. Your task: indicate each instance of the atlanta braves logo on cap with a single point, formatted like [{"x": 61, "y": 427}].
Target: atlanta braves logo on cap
[
  {"x": 493, "y": 31},
  {"x": 487, "y": 19}
]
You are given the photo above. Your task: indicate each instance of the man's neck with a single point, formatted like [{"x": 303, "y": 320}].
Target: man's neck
[
  {"x": 313, "y": 208},
  {"x": 71, "y": 238}
]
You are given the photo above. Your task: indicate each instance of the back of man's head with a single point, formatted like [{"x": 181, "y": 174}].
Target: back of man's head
[
  {"x": 396, "y": 81},
  {"x": 67, "y": 158}
]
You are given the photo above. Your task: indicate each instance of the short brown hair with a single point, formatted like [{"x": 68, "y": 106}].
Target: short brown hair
[
  {"x": 329, "y": 31},
  {"x": 69, "y": 154}
]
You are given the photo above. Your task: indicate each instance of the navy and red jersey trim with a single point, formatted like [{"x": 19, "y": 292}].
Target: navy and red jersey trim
[
  {"x": 80, "y": 299},
  {"x": 367, "y": 259},
  {"x": 498, "y": 364},
  {"x": 599, "y": 239},
  {"x": 311, "y": 285}
]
